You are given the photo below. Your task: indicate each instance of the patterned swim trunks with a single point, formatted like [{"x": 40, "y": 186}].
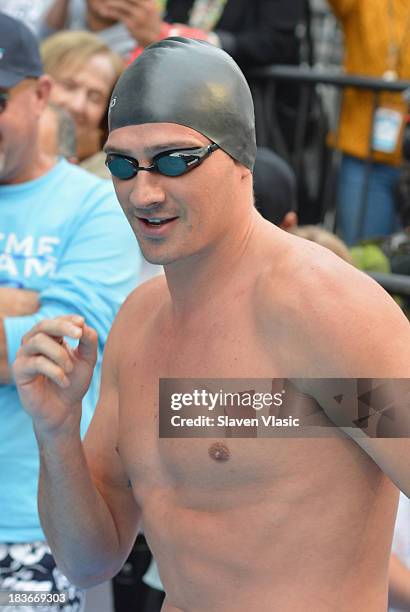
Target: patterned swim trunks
[{"x": 31, "y": 567}]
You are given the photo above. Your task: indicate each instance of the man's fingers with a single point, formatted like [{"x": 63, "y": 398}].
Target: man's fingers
[
  {"x": 68, "y": 325},
  {"x": 49, "y": 347},
  {"x": 145, "y": 4},
  {"x": 115, "y": 9},
  {"x": 127, "y": 5},
  {"x": 28, "y": 368},
  {"x": 58, "y": 360},
  {"x": 87, "y": 347}
]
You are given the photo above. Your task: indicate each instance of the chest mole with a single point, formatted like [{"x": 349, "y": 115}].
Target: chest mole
[{"x": 219, "y": 452}]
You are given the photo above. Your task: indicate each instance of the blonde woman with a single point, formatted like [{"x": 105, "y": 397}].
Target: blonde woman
[{"x": 84, "y": 70}]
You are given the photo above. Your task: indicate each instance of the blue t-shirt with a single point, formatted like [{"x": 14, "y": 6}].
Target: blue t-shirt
[{"x": 65, "y": 236}]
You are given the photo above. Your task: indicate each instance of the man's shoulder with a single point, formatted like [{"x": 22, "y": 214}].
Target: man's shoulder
[
  {"x": 83, "y": 179},
  {"x": 327, "y": 308},
  {"x": 138, "y": 309},
  {"x": 145, "y": 300},
  {"x": 305, "y": 272},
  {"x": 84, "y": 192}
]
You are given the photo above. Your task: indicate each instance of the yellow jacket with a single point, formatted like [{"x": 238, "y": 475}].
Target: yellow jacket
[{"x": 368, "y": 28}]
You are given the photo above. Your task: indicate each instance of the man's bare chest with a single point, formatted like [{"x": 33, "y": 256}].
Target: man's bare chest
[
  {"x": 201, "y": 466},
  {"x": 219, "y": 349}
]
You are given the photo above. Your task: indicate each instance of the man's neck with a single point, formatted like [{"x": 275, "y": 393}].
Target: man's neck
[
  {"x": 195, "y": 281},
  {"x": 32, "y": 170}
]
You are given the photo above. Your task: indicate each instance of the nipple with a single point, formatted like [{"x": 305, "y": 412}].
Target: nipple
[{"x": 219, "y": 452}]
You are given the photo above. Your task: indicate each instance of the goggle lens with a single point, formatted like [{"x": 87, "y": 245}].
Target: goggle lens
[
  {"x": 171, "y": 165},
  {"x": 120, "y": 167}
]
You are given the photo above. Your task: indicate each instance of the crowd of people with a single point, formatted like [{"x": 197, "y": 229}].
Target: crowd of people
[{"x": 79, "y": 82}]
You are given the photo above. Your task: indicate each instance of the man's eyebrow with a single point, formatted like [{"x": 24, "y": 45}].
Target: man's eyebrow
[
  {"x": 110, "y": 149},
  {"x": 172, "y": 145},
  {"x": 150, "y": 151}
]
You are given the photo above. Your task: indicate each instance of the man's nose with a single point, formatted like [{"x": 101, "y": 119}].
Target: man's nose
[{"x": 146, "y": 190}]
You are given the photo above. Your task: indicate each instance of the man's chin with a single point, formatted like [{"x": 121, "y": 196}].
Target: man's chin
[
  {"x": 2, "y": 164},
  {"x": 5, "y": 173},
  {"x": 159, "y": 260},
  {"x": 155, "y": 254}
]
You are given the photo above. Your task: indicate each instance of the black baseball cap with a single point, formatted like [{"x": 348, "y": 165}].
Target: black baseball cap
[
  {"x": 274, "y": 186},
  {"x": 19, "y": 52}
]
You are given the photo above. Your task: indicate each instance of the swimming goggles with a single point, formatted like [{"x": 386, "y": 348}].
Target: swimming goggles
[{"x": 168, "y": 163}]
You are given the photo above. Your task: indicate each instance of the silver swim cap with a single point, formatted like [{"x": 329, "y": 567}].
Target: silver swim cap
[{"x": 192, "y": 83}]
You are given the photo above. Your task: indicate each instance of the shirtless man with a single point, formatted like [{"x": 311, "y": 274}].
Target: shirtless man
[{"x": 285, "y": 525}]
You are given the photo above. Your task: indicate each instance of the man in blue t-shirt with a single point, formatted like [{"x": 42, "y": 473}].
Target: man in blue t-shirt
[{"x": 65, "y": 246}]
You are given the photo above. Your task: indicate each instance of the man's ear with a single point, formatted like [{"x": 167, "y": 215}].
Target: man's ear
[
  {"x": 243, "y": 170},
  {"x": 43, "y": 90}
]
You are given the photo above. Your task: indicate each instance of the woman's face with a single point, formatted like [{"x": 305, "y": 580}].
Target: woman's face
[{"x": 84, "y": 91}]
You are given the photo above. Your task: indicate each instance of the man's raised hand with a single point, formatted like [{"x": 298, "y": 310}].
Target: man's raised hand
[{"x": 51, "y": 377}]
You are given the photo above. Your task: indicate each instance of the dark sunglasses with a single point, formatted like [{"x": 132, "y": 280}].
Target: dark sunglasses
[
  {"x": 4, "y": 96},
  {"x": 168, "y": 163}
]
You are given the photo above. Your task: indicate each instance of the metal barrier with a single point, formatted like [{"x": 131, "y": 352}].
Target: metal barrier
[
  {"x": 395, "y": 284},
  {"x": 263, "y": 84}
]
